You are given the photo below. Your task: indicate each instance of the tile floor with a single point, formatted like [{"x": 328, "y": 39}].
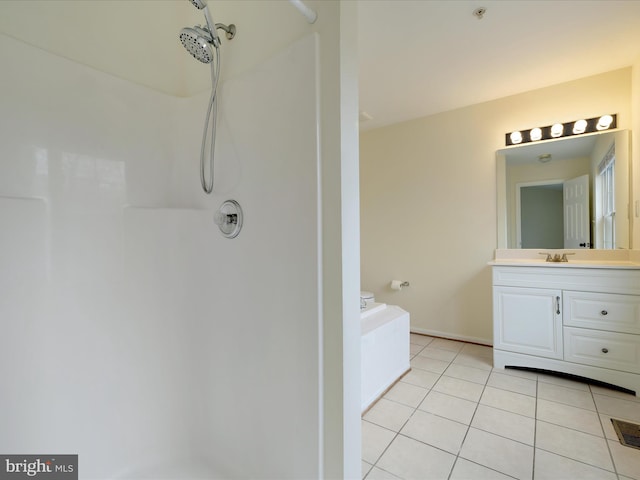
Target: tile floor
[{"x": 455, "y": 417}]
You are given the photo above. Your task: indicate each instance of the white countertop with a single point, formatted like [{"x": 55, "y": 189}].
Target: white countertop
[
  {"x": 521, "y": 262},
  {"x": 619, "y": 259}
]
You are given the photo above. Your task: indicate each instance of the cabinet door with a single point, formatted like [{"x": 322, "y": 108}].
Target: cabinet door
[{"x": 528, "y": 320}]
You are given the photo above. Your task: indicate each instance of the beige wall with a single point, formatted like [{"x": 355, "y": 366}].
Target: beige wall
[{"x": 428, "y": 199}]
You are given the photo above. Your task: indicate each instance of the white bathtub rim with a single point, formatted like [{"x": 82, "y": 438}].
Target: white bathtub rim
[
  {"x": 372, "y": 308},
  {"x": 379, "y": 318}
]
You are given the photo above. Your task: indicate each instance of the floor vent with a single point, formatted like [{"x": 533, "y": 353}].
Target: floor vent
[{"x": 628, "y": 433}]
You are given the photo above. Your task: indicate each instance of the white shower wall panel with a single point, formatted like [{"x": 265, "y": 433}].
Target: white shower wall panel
[
  {"x": 259, "y": 319},
  {"x": 164, "y": 286},
  {"x": 136, "y": 335},
  {"x": 77, "y": 147},
  {"x": 70, "y": 130},
  {"x": 80, "y": 145}
]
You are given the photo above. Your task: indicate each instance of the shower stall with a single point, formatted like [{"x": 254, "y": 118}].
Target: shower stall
[{"x": 134, "y": 334}]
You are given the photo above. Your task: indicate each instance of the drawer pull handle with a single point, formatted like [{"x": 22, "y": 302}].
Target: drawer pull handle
[
  {"x": 604, "y": 312},
  {"x": 605, "y": 350},
  {"x": 558, "y": 305}
]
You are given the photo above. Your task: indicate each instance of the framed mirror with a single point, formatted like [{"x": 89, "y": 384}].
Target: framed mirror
[{"x": 566, "y": 193}]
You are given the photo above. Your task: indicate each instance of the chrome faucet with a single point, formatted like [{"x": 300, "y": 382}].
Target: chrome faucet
[{"x": 556, "y": 258}]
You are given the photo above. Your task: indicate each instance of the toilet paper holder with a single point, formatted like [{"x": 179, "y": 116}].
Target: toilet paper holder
[{"x": 398, "y": 284}]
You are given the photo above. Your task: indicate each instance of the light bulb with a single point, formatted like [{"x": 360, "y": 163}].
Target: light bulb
[
  {"x": 604, "y": 122},
  {"x": 516, "y": 137},
  {"x": 535, "y": 134},
  {"x": 579, "y": 127},
  {"x": 556, "y": 130}
]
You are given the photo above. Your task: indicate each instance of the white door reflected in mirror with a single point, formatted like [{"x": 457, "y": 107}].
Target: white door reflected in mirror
[
  {"x": 575, "y": 206},
  {"x": 553, "y": 213}
]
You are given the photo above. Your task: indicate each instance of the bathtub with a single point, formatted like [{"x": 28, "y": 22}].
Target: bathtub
[{"x": 384, "y": 350}]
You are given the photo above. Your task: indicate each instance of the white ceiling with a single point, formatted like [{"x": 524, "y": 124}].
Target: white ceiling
[{"x": 423, "y": 57}]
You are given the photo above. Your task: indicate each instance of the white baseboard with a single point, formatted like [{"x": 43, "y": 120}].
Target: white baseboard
[{"x": 453, "y": 336}]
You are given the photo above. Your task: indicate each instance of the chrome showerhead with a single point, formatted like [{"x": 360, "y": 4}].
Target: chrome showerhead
[
  {"x": 202, "y": 5},
  {"x": 199, "y": 4},
  {"x": 198, "y": 43}
]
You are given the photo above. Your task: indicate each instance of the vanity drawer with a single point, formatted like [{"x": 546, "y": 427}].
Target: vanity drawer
[
  {"x": 619, "y": 351},
  {"x": 603, "y": 311}
]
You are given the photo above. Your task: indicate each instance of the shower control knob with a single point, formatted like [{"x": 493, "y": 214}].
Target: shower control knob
[
  {"x": 220, "y": 218},
  {"x": 228, "y": 218}
]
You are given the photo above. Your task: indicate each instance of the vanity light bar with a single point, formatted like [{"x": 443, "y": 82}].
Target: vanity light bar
[{"x": 569, "y": 129}]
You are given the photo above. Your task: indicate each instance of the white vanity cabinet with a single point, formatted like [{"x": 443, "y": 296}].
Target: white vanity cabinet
[{"x": 576, "y": 320}]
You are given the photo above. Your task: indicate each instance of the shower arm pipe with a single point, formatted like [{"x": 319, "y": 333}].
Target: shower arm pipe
[
  {"x": 308, "y": 13},
  {"x": 212, "y": 27}
]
